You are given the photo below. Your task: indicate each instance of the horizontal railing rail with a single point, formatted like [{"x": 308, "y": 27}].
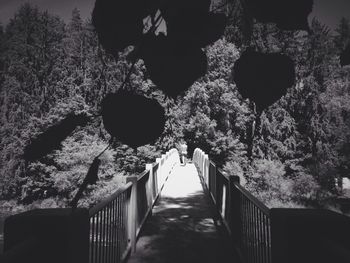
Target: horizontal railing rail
[
  {"x": 264, "y": 235},
  {"x": 95, "y": 209}
]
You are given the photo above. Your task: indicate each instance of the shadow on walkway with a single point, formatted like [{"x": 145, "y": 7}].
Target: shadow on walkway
[{"x": 183, "y": 226}]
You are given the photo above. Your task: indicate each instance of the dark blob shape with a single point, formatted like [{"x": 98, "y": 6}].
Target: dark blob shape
[
  {"x": 196, "y": 29},
  {"x": 90, "y": 179},
  {"x": 345, "y": 57},
  {"x": 119, "y": 23},
  {"x": 287, "y": 14},
  {"x": 171, "y": 10},
  {"x": 172, "y": 68},
  {"x": 51, "y": 139},
  {"x": 133, "y": 119},
  {"x": 263, "y": 78}
]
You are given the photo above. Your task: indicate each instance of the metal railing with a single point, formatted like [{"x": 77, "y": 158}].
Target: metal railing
[
  {"x": 108, "y": 227},
  {"x": 264, "y": 235},
  {"x": 105, "y": 233},
  {"x": 116, "y": 222}
]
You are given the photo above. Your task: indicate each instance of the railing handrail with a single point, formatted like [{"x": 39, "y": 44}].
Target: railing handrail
[
  {"x": 143, "y": 174},
  {"x": 266, "y": 210},
  {"x": 93, "y": 210},
  {"x": 246, "y": 193}
]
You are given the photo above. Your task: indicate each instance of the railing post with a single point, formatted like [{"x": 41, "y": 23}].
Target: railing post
[
  {"x": 164, "y": 169},
  {"x": 159, "y": 175},
  {"x": 206, "y": 169},
  {"x": 235, "y": 223},
  {"x": 149, "y": 167},
  {"x": 202, "y": 163},
  {"x": 132, "y": 220},
  {"x": 212, "y": 177}
]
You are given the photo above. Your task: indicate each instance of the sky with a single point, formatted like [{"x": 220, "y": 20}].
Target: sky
[{"x": 328, "y": 11}]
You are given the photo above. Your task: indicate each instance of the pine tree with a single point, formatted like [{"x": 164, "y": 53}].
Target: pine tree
[{"x": 342, "y": 37}]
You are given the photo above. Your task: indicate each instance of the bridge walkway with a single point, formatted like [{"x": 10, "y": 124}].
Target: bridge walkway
[{"x": 183, "y": 226}]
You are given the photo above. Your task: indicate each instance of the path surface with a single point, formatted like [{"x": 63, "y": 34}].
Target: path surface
[{"x": 182, "y": 228}]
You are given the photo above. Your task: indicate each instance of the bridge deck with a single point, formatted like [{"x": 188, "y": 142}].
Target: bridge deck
[{"x": 183, "y": 227}]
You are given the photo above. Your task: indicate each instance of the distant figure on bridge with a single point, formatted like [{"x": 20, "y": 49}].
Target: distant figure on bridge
[{"x": 183, "y": 153}]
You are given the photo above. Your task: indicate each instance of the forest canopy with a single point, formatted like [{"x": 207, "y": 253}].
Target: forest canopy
[{"x": 49, "y": 69}]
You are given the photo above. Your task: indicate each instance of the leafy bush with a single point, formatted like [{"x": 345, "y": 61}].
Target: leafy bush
[{"x": 68, "y": 168}]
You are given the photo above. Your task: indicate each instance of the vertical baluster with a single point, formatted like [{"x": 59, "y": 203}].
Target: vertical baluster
[
  {"x": 256, "y": 250},
  {"x": 261, "y": 256},
  {"x": 106, "y": 233},
  {"x": 257, "y": 226},
  {"x": 118, "y": 236},
  {"x": 251, "y": 247},
  {"x": 269, "y": 239},
  {"x": 92, "y": 238},
  {"x": 115, "y": 229},
  {"x": 103, "y": 217},
  {"x": 255, "y": 241},
  {"x": 96, "y": 238},
  {"x": 245, "y": 249},
  {"x": 253, "y": 232},
  {"x": 243, "y": 238},
  {"x": 100, "y": 236},
  {"x": 265, "y": 238},
  {"x": 110, "y": 247},
  {"x": 109, "y": 232},
  {"x": 261, "y": 236},
  {"x": 112, "y": 231},
  {"x": 121, "y": 233},
  {"x": 252, "y": 212},
  {"x": 250, "y": 256},
  {"x": 124, "y": 215},
  {"x": 244, "y": 226},
  {"x": 121, "y": 237}
]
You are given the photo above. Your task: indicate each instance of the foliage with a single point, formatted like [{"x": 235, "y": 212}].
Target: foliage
[{"x": 49, "y": 69}]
